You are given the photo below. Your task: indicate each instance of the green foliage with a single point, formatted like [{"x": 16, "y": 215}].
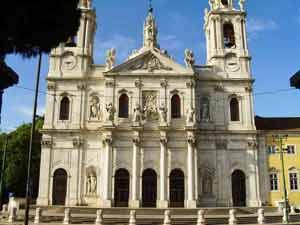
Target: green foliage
[
  {"x": 17, "y": 157},
  {"x": 28, "y": 26}
]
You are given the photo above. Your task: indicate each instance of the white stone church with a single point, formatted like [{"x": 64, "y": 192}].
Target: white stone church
[{"x": 152, "y": 132}]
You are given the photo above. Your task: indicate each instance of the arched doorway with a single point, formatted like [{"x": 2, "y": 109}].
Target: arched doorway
[
  {"x": 176, "y": 188},
  {"x": 238, "y": 180},
  {"x": 121, "y": 188},
  {"x": 59, "y": 190},
  {"x": 149, "y": 188}
]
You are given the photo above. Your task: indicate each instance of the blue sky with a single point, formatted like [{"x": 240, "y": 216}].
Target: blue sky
[{"x": 274, "y": 42}]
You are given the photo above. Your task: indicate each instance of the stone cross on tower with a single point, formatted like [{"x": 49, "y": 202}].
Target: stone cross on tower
[{"x": 150, "y": 29}]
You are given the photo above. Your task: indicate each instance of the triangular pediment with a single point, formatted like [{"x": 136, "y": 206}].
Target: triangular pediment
[{"x": 150, "y": 61}]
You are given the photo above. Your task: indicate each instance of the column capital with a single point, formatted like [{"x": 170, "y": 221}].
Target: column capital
[
  {"x": 77, "y": 142},
  {"x": 191, "y": 139},
  {"x": 47, "y": 143},
  {"x": 163, "y": 140},
  {"x": 107, "y": 140},
  {"x": 136, "y": 140}
]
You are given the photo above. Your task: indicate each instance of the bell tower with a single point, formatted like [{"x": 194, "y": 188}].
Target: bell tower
[
  {"x": 226, "y": 37},
  {"x": 74, "y": 57}
]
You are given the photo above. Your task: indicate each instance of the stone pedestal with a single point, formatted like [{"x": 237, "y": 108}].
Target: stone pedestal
[
  {"x": 134, "y": 204},
  {"x": 106, "y": 203},
  {"x": 162, "y": 204},
  {"x": 191, "y": 204}
]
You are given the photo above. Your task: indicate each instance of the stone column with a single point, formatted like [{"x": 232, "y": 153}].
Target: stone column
[
  {"x": 107, "y": 160},
  {"x": 191, "y": 201},
  {"x": 163, "y": 202},
  {"x": 135, "y": 182}
]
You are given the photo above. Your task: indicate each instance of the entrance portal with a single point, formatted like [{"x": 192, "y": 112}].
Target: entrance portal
[
  {"x": 177, "y": 188},
  {"x": 121, "y": 188},
  {"x": 149, "y": 188},
  {"x": 59, "y": 190},
  {"x": 238, "y": 180}
]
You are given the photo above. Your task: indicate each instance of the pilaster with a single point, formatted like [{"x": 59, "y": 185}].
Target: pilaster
[
  {"x": 191, "y": 199},
  {"x": 135, "y": 182},
  {"x": 107, "y": 169},
  {"x": 163, "y": 202}
]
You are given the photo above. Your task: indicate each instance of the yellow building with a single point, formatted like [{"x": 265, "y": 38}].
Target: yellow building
[{"x": 289, "y": 130}]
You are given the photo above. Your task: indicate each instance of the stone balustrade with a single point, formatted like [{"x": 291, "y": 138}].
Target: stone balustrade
[{"x": 170, "y": 216}]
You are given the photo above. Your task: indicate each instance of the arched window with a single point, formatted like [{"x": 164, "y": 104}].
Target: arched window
[
  {"x": 225, "y": 3},
  {"x": 229, "y": 38},
  {"x": 175, "y": 106},
  {"x": 234, "y": 110},
  {"x": 123, "y": 106},
  {"x": 64, "y": 109}
]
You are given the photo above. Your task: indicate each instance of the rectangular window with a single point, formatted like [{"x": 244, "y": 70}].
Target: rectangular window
[
  {"x": 291, "y": 149},
  {"x": 274, "y": 181},
  {"x": 293, "y": 181},
  {"x": 271, "y": 149}
]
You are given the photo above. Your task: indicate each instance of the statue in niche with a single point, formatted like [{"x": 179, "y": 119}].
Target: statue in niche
[
  {"x": 110, "y": 58},
  {"x": 163, "y": 113},
  {"x": 190, "y": 116},
  {"x": 189, "y": 58},
  {"x": 205, "y": 110},
  {"x": 242, "y": 5},
  {"x": 207, "y": 185},
  {"x": 91, "y": 183},
  {"x": 95, "y": 108},
  {"x": 137, "y": 115},
  {"x": 110, "y": 112}
]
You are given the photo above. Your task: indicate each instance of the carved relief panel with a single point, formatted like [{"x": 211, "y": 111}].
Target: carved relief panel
[{"x": 150, "y": 105}]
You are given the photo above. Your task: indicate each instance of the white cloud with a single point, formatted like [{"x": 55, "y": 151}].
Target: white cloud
[
  {"x": 27, "y": 111},
  {"x": 124, "y": 46},
  {"x": 171, "y": 42},
  {"x": 257, "y": 26}
]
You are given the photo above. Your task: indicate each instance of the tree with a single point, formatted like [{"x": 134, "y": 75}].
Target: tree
[
  {"x": 16, "y": 159},
  {"x": 31, "y": 26}
]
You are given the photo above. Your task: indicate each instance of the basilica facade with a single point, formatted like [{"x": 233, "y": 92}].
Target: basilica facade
[{"x": 152, "y": 132}]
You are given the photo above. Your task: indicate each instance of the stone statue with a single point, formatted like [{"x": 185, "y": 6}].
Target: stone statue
[
  {"x": 95, "y": 108},
  {"x": 205, "y": 16},
  {"x": 190, "y": 116},
  {"x": 189, "y": 58},
  {"x": 88, "y": 186},
  {"x": 163, "y": 113},
  {"x": 93, "y": 184},
  {"x": 205, "y": 111},
  {"x": 150, "y": 32},
  {"x": 137, "y": 115},
  {"x": 207, "y": 185},
  {"x": 110, "y": 111},
  {"x": 86, "y": 4},
  {"x": 242, "y": 5},
  {"x": 110, "y": 58},
  {"x": 215, "y": 4}
]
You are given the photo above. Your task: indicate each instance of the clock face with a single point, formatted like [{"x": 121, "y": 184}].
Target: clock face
[
  {"x": 69, "y": 61},
  {"x": 232, "y": 63}
]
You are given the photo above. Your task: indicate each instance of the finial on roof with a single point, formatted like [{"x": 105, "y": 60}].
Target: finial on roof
[
  {"x": 150, "y": 6},
  {"x": 150, "y": 29}
]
